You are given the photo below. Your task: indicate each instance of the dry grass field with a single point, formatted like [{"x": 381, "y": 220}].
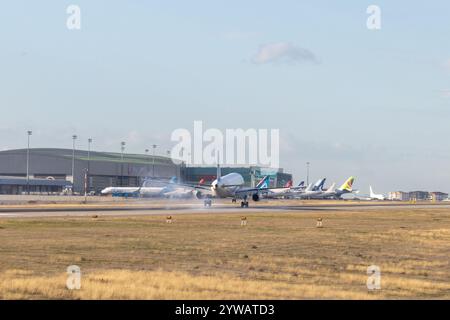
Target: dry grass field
[{"x": 278, "y": 255}]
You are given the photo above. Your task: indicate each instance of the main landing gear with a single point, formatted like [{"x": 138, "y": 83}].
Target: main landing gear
[
  {"x": 207, "y": 202},
  {"x": 244, "y": 204}
]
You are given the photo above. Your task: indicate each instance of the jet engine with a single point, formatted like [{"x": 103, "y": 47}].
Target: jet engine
[
  {"x": 198, "y": 194},
  {"x": 255, "y": 197}
]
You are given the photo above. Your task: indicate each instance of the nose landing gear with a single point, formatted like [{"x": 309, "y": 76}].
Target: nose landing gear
[{"x": 244, "y": 204}]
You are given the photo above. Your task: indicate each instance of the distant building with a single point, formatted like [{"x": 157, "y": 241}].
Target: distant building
[
  {"x": 19, "y": 185},
  {"x": 438, "y": 196},
  {"x": 399, "y": 196},
  {"x": 419, "y": 195}
]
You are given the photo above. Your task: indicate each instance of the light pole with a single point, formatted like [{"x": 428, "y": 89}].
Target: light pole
[
  {"x": 122, "y": 148},
  {"x": 169, "y": 155},
  {"x": 29, "y": 132},
  {"x": 153, "y": 169},
  {"x": 88, "y": 165},
  {"x": 89, "y": 153},
  {"x": 74, "y": 137},
  {"x": 148, "y": 161},
  {"x": 307, "y": 173}
]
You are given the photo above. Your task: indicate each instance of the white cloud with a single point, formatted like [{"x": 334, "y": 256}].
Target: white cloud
[{"x": 283, "y": 52}]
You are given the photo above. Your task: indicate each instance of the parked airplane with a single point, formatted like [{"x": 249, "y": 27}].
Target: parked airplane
[
  {"x": 325, "y": 194},
  {"x": 120, "y": 191},
  {"x": 285, "y": 191},
  {"x": 369, "y": 197},
  {"x": 311, "y": 190},
  {"x": 374, "y": 196},
  {"x": 140, "y": 191},
  {"x": 347, "y": 187},
  {"x": 300, "y": 186}
]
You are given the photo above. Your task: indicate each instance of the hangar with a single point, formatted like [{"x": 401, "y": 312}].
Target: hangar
[{"x": 104, "y": 169}]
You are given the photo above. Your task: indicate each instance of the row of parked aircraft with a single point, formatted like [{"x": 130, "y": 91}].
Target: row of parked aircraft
[{"x": 232, "y": 186}]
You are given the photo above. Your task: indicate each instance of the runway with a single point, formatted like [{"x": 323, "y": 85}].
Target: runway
[{"x": 80, "y": 210}]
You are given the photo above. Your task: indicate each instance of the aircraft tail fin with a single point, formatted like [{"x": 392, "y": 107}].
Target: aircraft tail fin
[
  {"x": 264, "y": 183},
  {"x": 301, "y": 184},
  {"x": 348, "y": 185},
  {"x": 319, "y": 185},
  {"x": 331, "y": 188},
  {"x": 173, "y": 180},
  {"x": 288, "y": 184}
]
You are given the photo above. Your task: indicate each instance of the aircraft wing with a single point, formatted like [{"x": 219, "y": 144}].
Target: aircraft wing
[
  {"x": 247, "y": 190},
  {"x": 193, "y": 186},
  {"x": 244, "y": 191}
]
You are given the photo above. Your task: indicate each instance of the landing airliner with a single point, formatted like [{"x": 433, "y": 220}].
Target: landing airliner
[{"x": 232, "y": 186}]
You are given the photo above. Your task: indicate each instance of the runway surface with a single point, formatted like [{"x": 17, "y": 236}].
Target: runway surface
[{"x": 188, "y": 208}]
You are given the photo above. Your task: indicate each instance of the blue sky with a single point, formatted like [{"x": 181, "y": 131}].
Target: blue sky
[{"x": 374, "y": 104}]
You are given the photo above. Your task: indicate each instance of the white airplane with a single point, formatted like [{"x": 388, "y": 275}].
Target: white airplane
[
  {"x": 120, "y": 191},
  {"x": 328, "y": 193},
  {"x": 300, "y": 186},
  {"x": 311, "y": 190},
  {"x": 232, "y": 186},
  {"x": 374, "y": 196},
  {"x": 142, "y": 191}
]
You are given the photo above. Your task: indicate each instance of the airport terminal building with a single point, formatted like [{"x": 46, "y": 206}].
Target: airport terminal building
[{"x": 50, "y": 171}]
